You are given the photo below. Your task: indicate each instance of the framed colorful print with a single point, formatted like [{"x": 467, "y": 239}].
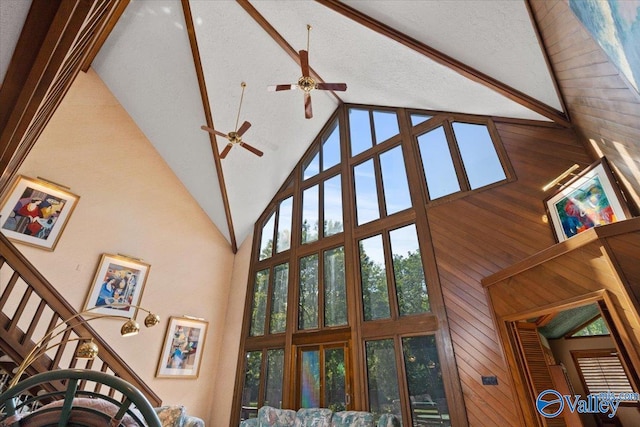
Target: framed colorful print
[
  {"x": 182, "y": 350},
  {"x": 119, "y": 280},
  {"x": 35, "y": 212},
  {"x": 590, "y": 199}
]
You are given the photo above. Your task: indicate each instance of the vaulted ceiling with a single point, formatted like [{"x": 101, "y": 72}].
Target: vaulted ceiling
[{"x": 177, "y": 65}]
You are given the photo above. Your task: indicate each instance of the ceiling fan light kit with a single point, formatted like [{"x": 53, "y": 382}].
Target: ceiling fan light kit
[
  {"x": 235, "y": 137},
  {"x": 307, "y": 83}
]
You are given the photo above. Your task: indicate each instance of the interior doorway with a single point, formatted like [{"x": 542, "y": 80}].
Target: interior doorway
[{"x": 577, "y": 352}]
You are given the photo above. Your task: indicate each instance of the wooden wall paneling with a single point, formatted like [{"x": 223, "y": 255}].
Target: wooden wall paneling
[
  {"x": 624, "y": 248},
  {"x": 602, "y": 103},
  {"x": 551, "y": 282},
  {"x": 483, "y": 233},
  {"x": 591, "y": 266},
  {"x": 488, "y": 407}
]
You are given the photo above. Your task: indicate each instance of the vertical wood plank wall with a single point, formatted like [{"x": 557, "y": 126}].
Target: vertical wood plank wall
[
  {"x": 484, "y": 233},
  {"x": 603, "y": 106}
]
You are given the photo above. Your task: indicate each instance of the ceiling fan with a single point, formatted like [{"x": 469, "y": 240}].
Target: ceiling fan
[
  {"x": 306, "y": 82},
  {"x": 235, "y": 137}
]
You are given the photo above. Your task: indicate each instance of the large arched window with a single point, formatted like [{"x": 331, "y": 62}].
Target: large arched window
[{"x": 344, "y": 309}]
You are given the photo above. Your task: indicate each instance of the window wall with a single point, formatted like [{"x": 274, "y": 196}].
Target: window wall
[{"x": 344, "y": 308}]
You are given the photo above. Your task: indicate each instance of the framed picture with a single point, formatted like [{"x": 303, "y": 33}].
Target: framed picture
[
  {"x": 182, "y": 350},
  {"x": 35, "y": 212},
  {"x": 590, "y": 199},
  {"x": 119, "y": 280}
]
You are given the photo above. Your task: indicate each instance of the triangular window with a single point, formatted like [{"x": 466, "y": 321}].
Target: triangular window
[{"x": 594, "y": 328}]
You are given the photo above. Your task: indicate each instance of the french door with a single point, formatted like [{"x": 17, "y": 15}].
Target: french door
[{"x": 323, "y": 377}]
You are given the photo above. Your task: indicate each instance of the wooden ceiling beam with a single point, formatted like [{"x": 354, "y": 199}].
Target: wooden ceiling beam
[
  {"x": 261, "y": 20},
  {"x": 188, "y": 17},
  {"x": 104, "y": 32},
  {"x": 55, "y": 39},
  {"x": 455, "y": 65}
]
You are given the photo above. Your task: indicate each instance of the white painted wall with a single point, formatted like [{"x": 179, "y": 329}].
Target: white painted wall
[
  {"x": 228, "y": 361},
  {"x": 131, "y": 203}
]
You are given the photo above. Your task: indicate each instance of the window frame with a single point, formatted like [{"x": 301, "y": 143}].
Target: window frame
[
  {"x": 358, "y": 331},
  {"x": 603, "y": 353},
  {"x": 446, "y": 120}
]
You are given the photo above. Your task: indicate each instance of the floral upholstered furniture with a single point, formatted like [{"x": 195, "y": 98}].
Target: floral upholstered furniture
[
  {"x": 317, "y": 417},
  {"x": 176, "y": 416}
]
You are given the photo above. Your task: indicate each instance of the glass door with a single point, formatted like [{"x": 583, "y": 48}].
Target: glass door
[{"x": 323, "y": 379}]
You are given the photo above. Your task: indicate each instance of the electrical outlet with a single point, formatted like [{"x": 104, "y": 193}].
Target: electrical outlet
[{"x": 492, "y": 380}]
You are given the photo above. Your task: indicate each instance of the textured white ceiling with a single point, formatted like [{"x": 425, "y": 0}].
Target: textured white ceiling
[
  {"x": 12, "y": 16},
  {"x": 147, "y": 64}
]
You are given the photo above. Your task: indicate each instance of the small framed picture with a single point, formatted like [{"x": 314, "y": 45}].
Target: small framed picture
[
  {"x": 590, "y": 199},
  {"x": 35, "y": 212},
  {"x": 119, "y": 280},
  {"x": 182, "y": 350}
]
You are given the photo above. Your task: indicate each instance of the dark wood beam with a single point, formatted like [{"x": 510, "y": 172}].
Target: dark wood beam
[
  {"x": 547, "y": 60},
  {"x": 104, "y": 32},
  {"x": 208, "y": 117},
  {"x": 280, "y": 40},
  {"x": 455, "y": 65},
  {"x": 55, "y": 39}
]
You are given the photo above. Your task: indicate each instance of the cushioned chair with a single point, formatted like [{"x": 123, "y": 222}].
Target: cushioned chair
[
  {"x": 313, "y": 417},
  {"x": 352, "y": 419},
  {"x": 389, "y": 420},
  {"x": 271, "y": 417},
  {"x": 317, "y": 417},
  {"x": 176, "y": 416}
]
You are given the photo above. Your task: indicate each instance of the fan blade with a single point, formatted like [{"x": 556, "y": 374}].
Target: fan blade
[
  {"x": 213, "y": 131},
  {"x": 277, "y": 88},
  {"x": 308, "y": 113},
  {"x": 226, "y": 151},
  {"x": 304, "y": 62},
  {"x": 252, "y": 149},
  {"x": 245, "y": 126},
  {"x": 332, "y": 86}
]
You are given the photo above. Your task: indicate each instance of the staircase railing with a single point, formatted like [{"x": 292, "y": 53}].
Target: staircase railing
[{"x": 30, "y": 307}]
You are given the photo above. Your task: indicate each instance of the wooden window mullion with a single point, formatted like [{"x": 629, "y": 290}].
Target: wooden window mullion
[{"x": 456, "y": 157}]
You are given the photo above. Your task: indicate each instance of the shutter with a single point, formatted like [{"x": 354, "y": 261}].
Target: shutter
[
  {"x": 535, "y": 363},
  {"x": 601, "y": 370}
]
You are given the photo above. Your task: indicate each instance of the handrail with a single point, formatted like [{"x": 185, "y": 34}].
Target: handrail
[{"x": 17, "y": 343}]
